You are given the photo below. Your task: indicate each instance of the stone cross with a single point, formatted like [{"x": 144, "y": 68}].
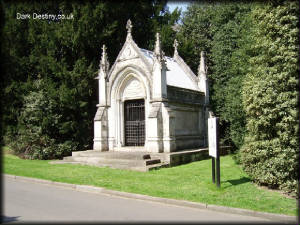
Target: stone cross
[
  {"x": 103, "y": 50},
  {"x": 175, "y": 45},
  {"x": 129, "y": 26}
]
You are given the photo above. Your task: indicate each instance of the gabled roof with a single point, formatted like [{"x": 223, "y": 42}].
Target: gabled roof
[
  {"x": 135, "y": 53},
  {"x": 178, "y": 73}
]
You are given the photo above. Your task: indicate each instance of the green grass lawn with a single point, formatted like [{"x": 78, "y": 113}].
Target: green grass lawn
[{"x": 190, "y": 182}]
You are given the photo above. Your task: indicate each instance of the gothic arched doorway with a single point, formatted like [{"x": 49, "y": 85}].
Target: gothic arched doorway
[{"x": 134, "y": 122}]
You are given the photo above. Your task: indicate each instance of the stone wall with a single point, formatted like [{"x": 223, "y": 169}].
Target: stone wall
[
  {"x": 185, "y": 96},
  {"x": 187, "y": 132}
]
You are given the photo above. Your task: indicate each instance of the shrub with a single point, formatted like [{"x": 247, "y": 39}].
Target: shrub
[
  {"x": 38, "y": 126},
  {"x": 270, "y": 154}
]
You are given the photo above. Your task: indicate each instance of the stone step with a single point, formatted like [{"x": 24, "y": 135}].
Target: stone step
[
  {"x": 63, "y": 162},
  {"x": 143, "y": 168},
  {"x": 147, "y": 156},
  {"x": 157, "y": 166},
  {"x": 140, "y": 161},
  {"x": 107, "y": 160},
  {"x": 150, "y": 167},
  {"x": 152, "y": 161},
  {"x": 77, "y": 153},
  {"x": 122, "y": 162},
  {"x": 115, "y": 165},
  {"x": 68, "y": 158},
  {"x": 117, "y": 155}
]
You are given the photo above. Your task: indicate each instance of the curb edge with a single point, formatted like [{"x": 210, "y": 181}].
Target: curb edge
[{"x": 184, "y": 203}]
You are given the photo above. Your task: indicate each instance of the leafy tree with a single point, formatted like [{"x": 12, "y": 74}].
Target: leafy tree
[
  {"x": 217, "y": 29},
  {"x": 64, "y": 56},
  {"x": 164, "y": 24},
  {"x": 270, "y": 97},
  {"x": 233, "y": 110},
  {"x": 38, "y": 125},
  {"x": 227, "y": 26},
  {"x": 253, "y": 65},
  {"x": 195, "y": 34}
]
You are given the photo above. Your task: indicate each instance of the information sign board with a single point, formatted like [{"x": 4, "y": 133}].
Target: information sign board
[{"x": 213, "y": 137}]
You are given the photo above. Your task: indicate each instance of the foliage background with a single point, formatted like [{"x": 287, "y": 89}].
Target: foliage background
[
  {"x": 48, "y": 93},
  {"x": 48, "y": 90},
  {"x": 253, "y": 59}
]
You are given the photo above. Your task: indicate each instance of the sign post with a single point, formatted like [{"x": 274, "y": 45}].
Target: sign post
[
  {"x": 213, "y": 142},
  {"x": 213, "y": 169}
]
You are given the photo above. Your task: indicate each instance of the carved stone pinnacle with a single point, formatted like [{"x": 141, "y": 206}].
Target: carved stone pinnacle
[
  {"x": 129, "y": 26},
  {"x": 104, "y": 49},
  {"x": 175, "y": 45}
]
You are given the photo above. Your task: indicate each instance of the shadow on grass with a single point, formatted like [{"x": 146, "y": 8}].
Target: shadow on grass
[{"x": 237, "y": 181}]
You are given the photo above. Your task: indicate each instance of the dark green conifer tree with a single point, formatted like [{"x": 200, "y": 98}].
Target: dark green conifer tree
[{"x": 63, "y": 55}]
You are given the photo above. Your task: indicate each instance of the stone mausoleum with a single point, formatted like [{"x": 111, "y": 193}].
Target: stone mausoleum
[{"x": 150, "y": 102}]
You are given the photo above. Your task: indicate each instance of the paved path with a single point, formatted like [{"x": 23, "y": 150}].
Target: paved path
[{"x": 32, "y": 202}]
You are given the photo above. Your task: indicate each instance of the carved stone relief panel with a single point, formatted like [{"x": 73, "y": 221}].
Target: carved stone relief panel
[
  {"x": 133, "y": 90},
  {"x": 128, "y": 53}
]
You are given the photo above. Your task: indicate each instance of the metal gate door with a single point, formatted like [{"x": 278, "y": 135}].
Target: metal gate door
[{"x": 134, "y": 111}]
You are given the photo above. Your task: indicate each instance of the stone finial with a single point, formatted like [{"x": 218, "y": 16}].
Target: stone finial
[
  {"x": 159, "y": 54},
  {"x": 175, "y": 45},
  {"x": 157, "y": 49},
  {"x": 202, "y": 67},
  {"x": 104, "y": 61},
  {"x": 104, "y": 51},
  {"x": 129, "y": 29},
  {"x": 129, "y": 26},
  {"x": 202, "y": 78}
]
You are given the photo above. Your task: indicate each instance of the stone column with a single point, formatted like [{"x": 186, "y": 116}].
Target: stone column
[
  {"x": 101, "y": 117},
  {"x": 154, "y": 127},
  {"x": 159, "y": 95},
  {"x": 101, "y": 130},
  {"x": 169, "y": 140},
  {"x": 203, "y": 86},
  {"x": 202, "y": 78},
  {"x": 159, "y": 85}
]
